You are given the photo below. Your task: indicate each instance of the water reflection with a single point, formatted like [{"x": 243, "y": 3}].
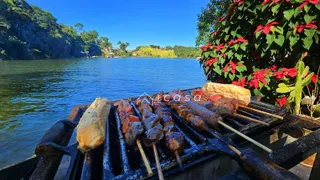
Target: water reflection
[{"x": 35, "y": 94}]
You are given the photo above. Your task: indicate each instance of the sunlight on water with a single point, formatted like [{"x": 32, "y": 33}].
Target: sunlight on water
[{"x": 35, "y": 94}]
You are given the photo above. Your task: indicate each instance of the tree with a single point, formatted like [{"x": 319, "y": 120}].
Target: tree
[
  {"x": 123, "y": 46},
  {"x": 79, "y": 27},
  {"x": 104, "y": 43},
  {"x": 209, "y": 17}
]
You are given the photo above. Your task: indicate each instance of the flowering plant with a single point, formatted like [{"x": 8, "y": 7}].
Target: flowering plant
[{"x": 256, "y": 45}]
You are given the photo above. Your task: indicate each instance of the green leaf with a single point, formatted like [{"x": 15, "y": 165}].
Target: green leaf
[
  {"x": 279, "y": 29},
  {"x": 238, "y": 56},
  {"x": 306, "y": 8},
  {"x": 318, "y": 6},
  {"x": 309, "y": 32},
  {"x": 279, "y": 40},
  {"x": 284, "y": 89},
  {"x": 282, "y": 85},
  {"x": 218, "y": 70},
  {"x": 293, "y": 41},
  {"x": 243, "y": 46},
  {"x": 206, "y": 54},
  {"x": 288, "y": 14},
  {"x": 308, "y": 18},
  {"x": 236, "y": 47},
  {"x": 226, "y": 74},
  {"x": 307, "y": 80},
  {"x": 270, "y": 39},
  {"x": 296, "y": 12},
  {"x": 307, "y": 42},
  {"x": 232, "y": 76},
  {"x": 258, "y": 34},
  {"x": 229, "y": 54},
  {"x": 275, "y": 8},
  {"x": 233, "y": 33},
  {"x": 239, "y": 68}
]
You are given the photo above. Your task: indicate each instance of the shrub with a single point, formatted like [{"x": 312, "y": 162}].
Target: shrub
[{"x": 258, "y": 43}]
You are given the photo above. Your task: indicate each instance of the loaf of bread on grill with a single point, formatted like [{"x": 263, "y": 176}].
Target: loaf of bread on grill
[
  {"x": 91, "y": 129},
  {"x": 229, "y": 91}
]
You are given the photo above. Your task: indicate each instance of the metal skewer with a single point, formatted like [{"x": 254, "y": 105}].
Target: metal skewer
[
  {"x": 250, "y": 119},
  {"x": 245, "y": 137},
  {"x": 144, "y": 158},
  {"x": 262, "y": 112},
  {"x": 156, "y": 156}
]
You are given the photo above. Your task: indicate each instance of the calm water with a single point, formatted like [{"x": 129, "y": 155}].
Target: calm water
[{"x": 36, "y": 94}]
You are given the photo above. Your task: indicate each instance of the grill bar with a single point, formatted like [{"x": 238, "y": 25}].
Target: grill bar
[
  {"x": 107, "y": 169},
  {"x": 124, "y": 157},
  {"x": 192, "y": 144}
]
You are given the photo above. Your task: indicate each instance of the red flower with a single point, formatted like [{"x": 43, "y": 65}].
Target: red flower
[
  {"x": 314, "y": 78},
  {"x": 219, "y": 47},
  {"x": 259, "y": 76},
  {"x": 273, "y": 68},
  {"x": 221, "y": 19},
  {"x": 282, "y": 101},
  {"x": 241, "y": 82},
  {"x": 223, "y": 55},
  {"x": 305, "y": 2},
  {"x": 265, "y": 29},
  {"x": 310, "y": 25},
  {"x": 231, "y": 66},
  {"x": 284, "y": 72},
  {"x": 205, "y": 48},
  {"x": 211, "y": 61},
  {"x": 240, "y": 39},
  {"x": 239, "y": 2}
]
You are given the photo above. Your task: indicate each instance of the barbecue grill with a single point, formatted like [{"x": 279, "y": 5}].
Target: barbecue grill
[{"x": 204, "y": 156}]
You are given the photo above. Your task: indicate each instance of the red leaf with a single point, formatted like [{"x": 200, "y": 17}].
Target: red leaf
[
  {"x": 259, "y": 28},
  {"x": 282, "y": 101},
  {"x": 211, "y": 61}
]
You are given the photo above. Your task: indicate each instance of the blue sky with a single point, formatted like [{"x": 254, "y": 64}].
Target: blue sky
[{"x": 139, "y": 22}]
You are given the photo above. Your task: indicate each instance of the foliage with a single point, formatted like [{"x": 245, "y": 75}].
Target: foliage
[
  {"x": 147, "y": 51},
  {"x": 28, "y": 32},
  {"x": 186, "y": 52},
  {"x": 256, "y": 44},
  {"x": 208, "y": 19},
  {"x": 123, "y": 46},
  {"x": 295, "y": 91}
]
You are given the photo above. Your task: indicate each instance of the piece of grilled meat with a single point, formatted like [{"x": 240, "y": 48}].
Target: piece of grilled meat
[
  {"x": 174, "y": 139},
  {"x": 131, "y": 126},
  {"x": 187, "y": 115},
  {"x": 151, "y": 122}
]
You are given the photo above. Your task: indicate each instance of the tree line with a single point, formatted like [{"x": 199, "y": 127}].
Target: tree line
[{"x": 28, "y": 32}]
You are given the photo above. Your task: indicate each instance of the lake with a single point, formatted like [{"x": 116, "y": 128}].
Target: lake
[{"x": 35, "y": 94}]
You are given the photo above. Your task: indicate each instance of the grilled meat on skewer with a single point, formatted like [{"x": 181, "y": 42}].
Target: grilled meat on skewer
[
  {"x": 130, "y": 124},
  {"x": 151, "y": 122},
  {"x": 188, "y": 115},
  {"x": 211, "y": 118},
  {"x": 174, "y": 139}
]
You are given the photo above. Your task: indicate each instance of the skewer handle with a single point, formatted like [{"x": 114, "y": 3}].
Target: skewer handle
[
  {"x": 262, "y": 112},
  {"x": 251, "y": 119},
  {"x": 144, "y": 158},
  {"x": 156, "y": 156},
  {"x": 245, "y": 137}
]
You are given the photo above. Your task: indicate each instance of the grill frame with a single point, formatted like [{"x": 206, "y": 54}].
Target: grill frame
[{"x": 199, "y": 153}]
